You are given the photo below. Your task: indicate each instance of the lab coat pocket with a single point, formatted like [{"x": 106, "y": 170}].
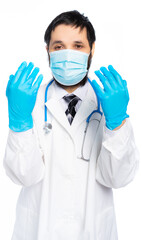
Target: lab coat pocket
[
  {"x": 26, "y": 223},
  {"x": 106, "y": 225}
]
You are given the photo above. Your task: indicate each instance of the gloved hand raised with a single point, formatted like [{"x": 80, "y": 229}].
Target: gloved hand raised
[
  {"x": 21, "y": 93},
  {"x": 114, "y": 97}
]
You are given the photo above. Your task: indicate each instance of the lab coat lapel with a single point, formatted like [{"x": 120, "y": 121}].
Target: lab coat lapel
[
  {"x": 55, "y": 108},
  {"x": 88, "y": 105}
]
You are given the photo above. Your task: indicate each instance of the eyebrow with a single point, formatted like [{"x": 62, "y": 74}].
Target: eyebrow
[
  {"x": 55, "y": 42},
  {"x": 61, "y": 42},
  {"x": 79, "y": 42}
]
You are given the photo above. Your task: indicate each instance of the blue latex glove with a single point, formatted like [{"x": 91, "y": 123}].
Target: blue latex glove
[
  {"x": 21, "y": 93},
  {"x": 114, "y": 97}
]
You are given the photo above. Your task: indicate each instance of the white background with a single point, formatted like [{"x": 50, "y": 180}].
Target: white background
[{"x": 118, "y": 27}]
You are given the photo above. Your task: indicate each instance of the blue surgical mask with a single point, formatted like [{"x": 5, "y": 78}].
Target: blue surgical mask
[{"x": 68, "y": 66}]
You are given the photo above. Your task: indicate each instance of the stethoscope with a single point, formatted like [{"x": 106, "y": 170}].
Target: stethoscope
[{"x": 48, "y": 126}]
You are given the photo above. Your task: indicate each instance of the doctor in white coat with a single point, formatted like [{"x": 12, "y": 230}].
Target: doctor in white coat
[{"x": 67, "y": 174}]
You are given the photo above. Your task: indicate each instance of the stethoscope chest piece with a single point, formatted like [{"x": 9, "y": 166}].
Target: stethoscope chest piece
[{"x": 47, "y": 127}]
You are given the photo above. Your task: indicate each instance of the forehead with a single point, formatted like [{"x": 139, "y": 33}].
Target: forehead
[{"x": 69, "y": 33}]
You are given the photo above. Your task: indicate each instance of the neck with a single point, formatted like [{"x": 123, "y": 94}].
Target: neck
[{"x": 71, "y": 89}]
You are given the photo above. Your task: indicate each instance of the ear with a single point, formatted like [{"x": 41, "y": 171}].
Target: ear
[
  {"x": 93, "y": 49},
  {"x": 46, "y": 48}
]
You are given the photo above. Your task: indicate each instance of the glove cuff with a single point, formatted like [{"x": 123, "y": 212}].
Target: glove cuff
[
  {"x": 114, "y": 123},
  {"x": 21, "y": 126}
]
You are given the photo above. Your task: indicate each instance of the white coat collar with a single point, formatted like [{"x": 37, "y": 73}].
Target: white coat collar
[
  {"x": 88, "y": 105},
  {"x": 79, "y": 92}
]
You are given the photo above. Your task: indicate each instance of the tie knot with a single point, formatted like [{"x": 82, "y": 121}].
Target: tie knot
[
  {"x": 71, "y": 100},
  {"x": 71, "y": 97}
]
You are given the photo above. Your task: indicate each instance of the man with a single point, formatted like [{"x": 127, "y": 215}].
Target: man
[{"x": 68, "y": 168}]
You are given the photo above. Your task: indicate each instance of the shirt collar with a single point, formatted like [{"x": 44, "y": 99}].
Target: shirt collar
[{"x": 79, "y": 92}]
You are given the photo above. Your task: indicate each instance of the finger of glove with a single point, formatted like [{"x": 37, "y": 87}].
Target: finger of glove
[
  {"x": 11, "y": 77},
  {"x": 99, "y": 91},
  {"x": 9, "y": 83},
  {"x": 110, "y": 77},
  {"x": 19, "y": 72},
  {"x": 37, "y": 83},
  {"x": 116, "y": 75},
  {"x": 24, "y": 76},
  {"x": 33, "y": 75},
  {"x": 104, "y": 81},
  {"x": 126, "y": 88},
  {"x": 124, "y": 83}
]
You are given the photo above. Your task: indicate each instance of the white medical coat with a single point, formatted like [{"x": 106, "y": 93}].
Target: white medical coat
[{"x": 64, "y": 197}]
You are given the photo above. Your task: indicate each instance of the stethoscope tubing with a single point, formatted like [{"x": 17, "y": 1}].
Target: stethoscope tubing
[
  {"x": 48, "y": 126},
  {"x": 45, "y": 108},
  {"x": 88, "y": 118}
]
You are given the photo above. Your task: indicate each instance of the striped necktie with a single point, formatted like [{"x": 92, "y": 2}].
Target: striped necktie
[{"x": 71, "y": 100}]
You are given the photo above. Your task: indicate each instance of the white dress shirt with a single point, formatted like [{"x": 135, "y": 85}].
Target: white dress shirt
[{"x": 79, "y": 92}]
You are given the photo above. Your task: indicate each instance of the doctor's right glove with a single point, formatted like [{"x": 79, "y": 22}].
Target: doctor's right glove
[
  {"x": 114, "y": 97},
  {"x": 21, "y": 93}
]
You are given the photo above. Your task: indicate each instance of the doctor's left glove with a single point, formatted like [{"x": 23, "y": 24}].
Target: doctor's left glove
[
  {"x": 114, "y": 96},
  {"x": 21, "y": 93}
]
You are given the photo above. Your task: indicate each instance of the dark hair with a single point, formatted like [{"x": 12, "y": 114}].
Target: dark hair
[{"x": 73, "y": 18}]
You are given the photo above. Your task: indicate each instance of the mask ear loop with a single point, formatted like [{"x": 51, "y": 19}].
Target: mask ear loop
[
  {"x": 89, "y": 60},
  {"x": 48, "y": 55}
]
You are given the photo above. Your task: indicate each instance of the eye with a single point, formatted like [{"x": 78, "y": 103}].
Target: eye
[
  {"x": 58, "y": 47},
  {"x": 78, "y": 46}
]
